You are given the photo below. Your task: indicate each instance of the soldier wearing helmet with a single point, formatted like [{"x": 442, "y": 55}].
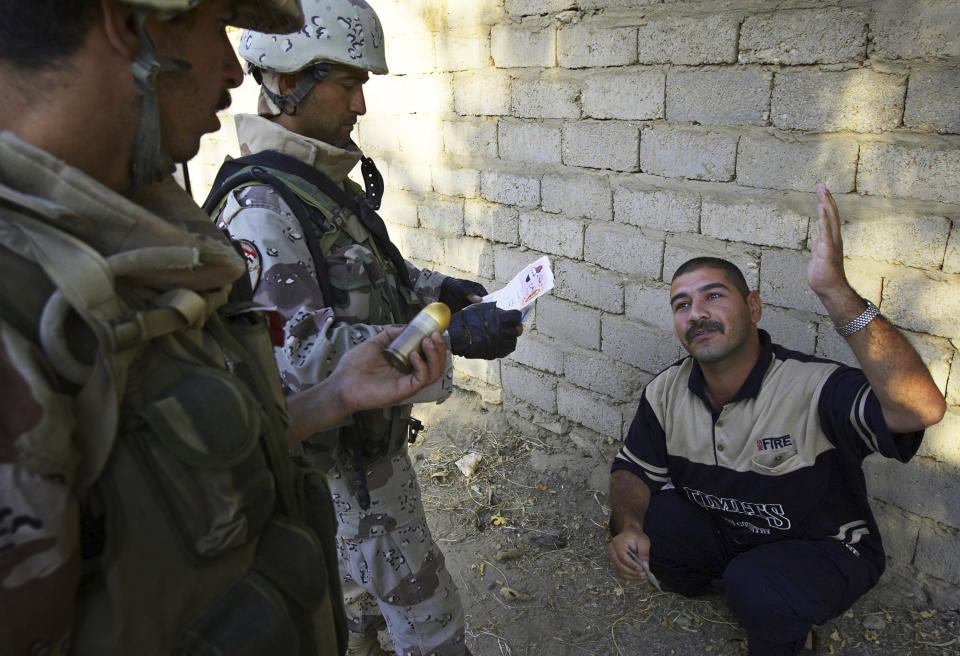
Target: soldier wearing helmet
[
  {"x": 147, "y": 503},
  {"x": 319, "y": 253}
]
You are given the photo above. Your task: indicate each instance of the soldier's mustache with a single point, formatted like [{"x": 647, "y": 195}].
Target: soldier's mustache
[
  {"x": 704, "y": 323},
  {"x": 225, "y": 100}
]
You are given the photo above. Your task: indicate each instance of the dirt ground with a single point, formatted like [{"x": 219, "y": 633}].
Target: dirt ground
[{"x": 525, "y": 539}]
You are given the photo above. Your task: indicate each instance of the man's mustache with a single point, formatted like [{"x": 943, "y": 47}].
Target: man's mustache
[
  {"x": 704, "y": 323},
  {"x": 225, "y": 100}
]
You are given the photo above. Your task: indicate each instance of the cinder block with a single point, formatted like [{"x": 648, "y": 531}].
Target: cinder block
[
  {"x": 592, "y": 410},
  {"x": 588, "y": 285},
  {"x": 911, "y": 239},
  {"x": 530, "y": 7},
  {"x": 582, "y": 45},
  {"x": 585, "y": 194},
  {"x": 688, "y": 152},
  {"x": 400, "y": 208},
  {"x": 530, "y": 142},
  {"x": 938, "y": 551},
  {"x": 378, "y": 134},
  {"x": 487, "y": 371},
  {"x": 508, "y": 260},
  {"x": 924, "y": 169},
  {"x": 482, "y": 93},
  {"x": 601, "y": 145},
  {"x": 510, "y": 188},
  {"x": 682, "y": 247},
  {"x": 922, "y": 486},
  {"x": 409, "y": 54},
  {"x": 926, "y": 302},
  {"x": 915, "y": 30},
  {"x": 951, "y": 263},
  {"x": 780, "y": 162},
  {"x": 813, "y": 36},
  {"x": 420, "y": 137},
  {"x": 491, "y": 221},
  {"x": 940, "y": 440},
  {"x": 545, "y": 97},
  {"x": 530, "y": 386},
  {"x": 517, "y": 47},
  {"x": 443, "y": 215},
  {"x": 473, "y": 256},
  {"x": 789, "y": 330},
  {"x": 538, "y": 352},
  {"x": 646, "y": 348},
  {"x": 719, "y": 96},
  {"x": 468, "y": 138},
  {"x": 632, "y": 94},
  {"x": 784, "y": 280},
  {"x": 598, "y": 373},
  {"x": 456, "y": 182},
  {"x": 932, "y": 100},
  {"x": 860, "y": 100},
  {"x": 663, "y": 209},
  {"x": 953, "y": 384},
  {"x": 833, "y": 347},
  {"x": 754, "y": 221},
  {"x": 689, "y": 41},
  {"x": 410, "y": 176},
  {"x": 899, "y": 530},
  {"x": 648, "y": 301},
  {"x": 463, "y": 49},
  {"x": 408, "y": 94},
  {"x": 551, "y": 234},
  {"x": 478, "y": 12},
  {"x": 568, "y": 322},
  {"x": 421, "y": 245},
  {"x": 623, "y": 248}
]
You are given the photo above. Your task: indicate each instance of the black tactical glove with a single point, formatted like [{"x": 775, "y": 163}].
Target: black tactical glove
[
  {"x": 484, "y": 331},
  {"x": 454, "y": 293}
]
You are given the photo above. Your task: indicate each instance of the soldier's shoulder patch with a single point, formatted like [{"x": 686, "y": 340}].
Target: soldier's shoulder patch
[
  {"x": 254, "y": 261},
  {"x": 263, "y": 197}
]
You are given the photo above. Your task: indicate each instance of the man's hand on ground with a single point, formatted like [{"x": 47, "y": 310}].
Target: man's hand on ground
[{"x": 627, "y": 550}]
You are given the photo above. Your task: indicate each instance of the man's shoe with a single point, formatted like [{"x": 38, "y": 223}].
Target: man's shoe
[{"x": 367, "y": 645}]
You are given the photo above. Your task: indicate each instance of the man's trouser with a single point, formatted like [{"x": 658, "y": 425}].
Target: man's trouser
[
  {"x": 388, "y": 551},
  {"x": 776, "y": 591}
]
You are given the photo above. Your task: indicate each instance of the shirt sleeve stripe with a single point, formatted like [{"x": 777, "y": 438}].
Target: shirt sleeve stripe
[{"x": 858, "y": 419}]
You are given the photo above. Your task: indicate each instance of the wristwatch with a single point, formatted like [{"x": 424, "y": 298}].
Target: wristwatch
[{"x": 860, "y": 322}]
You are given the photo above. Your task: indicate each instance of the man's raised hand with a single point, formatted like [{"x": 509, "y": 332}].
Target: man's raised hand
[{"x": 825, "y": 272}]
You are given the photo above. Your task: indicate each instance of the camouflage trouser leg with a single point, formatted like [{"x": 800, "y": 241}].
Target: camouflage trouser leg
[{"x": 388, "y": 551}]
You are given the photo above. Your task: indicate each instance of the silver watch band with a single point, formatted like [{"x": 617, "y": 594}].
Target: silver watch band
[{"x": 860, "y": 322}]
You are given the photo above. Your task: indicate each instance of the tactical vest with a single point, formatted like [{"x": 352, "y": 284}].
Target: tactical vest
[
  {"x": 333, "y": 220},
  {"x": 199, "y": 534}
]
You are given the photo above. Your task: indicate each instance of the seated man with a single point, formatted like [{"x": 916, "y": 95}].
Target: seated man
[{"x": 742, "y": 468}]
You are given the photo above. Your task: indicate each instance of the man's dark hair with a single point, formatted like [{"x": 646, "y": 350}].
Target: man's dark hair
[
  {"x": 38, "y": 34},
  {"x": 733, "y": 271}
]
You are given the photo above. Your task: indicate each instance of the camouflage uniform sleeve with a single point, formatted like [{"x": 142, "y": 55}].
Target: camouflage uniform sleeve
[
  {"x": 284, "y": 277},
  {"x": 426, "y": 283},
  {"x": 39, "y": 534}
]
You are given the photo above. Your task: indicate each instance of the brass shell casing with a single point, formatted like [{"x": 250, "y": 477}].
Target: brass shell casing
[{"x": 432, "y": 319}]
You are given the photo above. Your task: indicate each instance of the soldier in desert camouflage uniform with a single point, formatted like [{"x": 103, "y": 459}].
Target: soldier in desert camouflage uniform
[
  {"x": 320, "y": 255},
  {"x": 147, "y": 501}
]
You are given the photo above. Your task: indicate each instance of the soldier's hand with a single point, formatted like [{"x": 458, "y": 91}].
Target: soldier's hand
[
  {"x": 457, "y": 293},
  {"x": 484, "y": 331}
]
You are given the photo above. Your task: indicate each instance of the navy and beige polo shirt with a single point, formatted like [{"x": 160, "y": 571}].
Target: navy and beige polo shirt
[{"x": 780, "y": 460}]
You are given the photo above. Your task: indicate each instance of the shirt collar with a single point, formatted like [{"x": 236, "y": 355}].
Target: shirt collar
[{"x": 751, "y": 386}]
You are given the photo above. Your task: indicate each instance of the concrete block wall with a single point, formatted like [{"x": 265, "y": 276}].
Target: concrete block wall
[{"x": 621, "y": 137}]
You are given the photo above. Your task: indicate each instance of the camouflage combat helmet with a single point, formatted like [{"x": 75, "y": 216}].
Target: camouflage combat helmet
[
  {"x": 150, "y": 163},
  {"x": 334, "y": 32}
]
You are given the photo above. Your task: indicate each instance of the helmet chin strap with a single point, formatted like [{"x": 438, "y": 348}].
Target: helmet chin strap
[
  {"x": 288, "y": 102},
  {"x": 150, "y": 163}
]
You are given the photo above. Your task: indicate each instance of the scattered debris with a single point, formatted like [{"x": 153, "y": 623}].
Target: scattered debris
[{"x": 468, "y": 463}]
